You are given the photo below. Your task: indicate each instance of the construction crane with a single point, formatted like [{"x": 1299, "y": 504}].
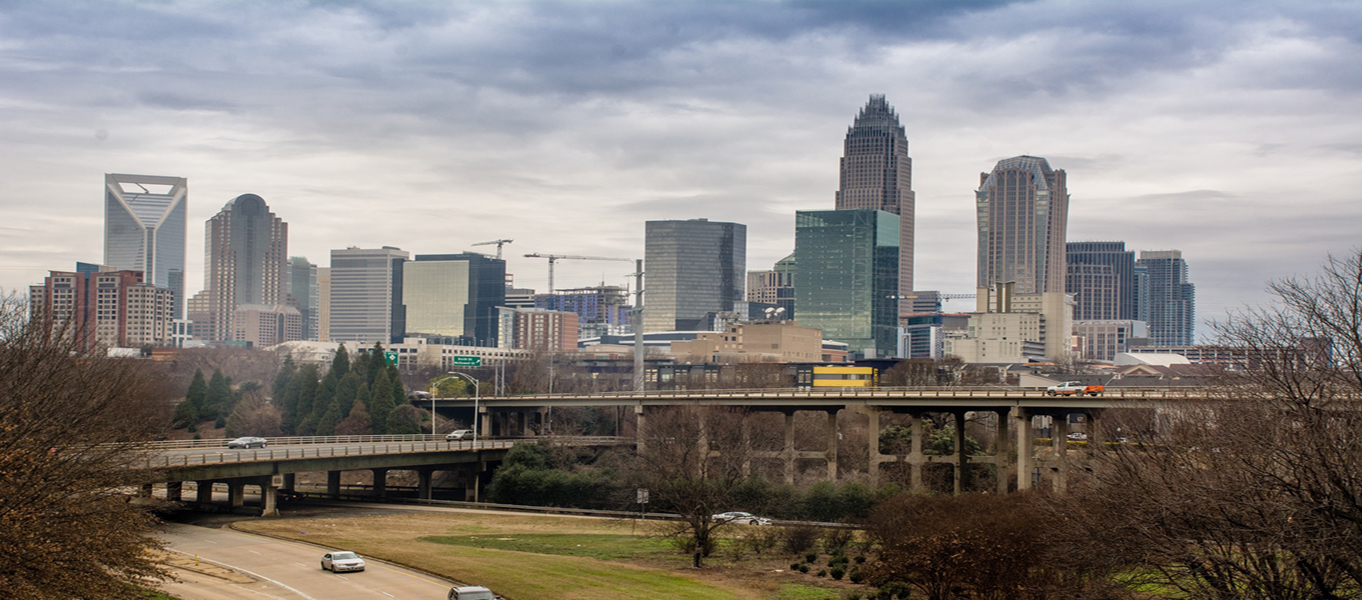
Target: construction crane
[
  {"x": 555, "y": 257},
  {"x": 499, "y": 244}
]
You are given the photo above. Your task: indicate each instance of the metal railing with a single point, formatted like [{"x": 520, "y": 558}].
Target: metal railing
[
  {"x": 351, "y": 448},
  {"x": 1152, "y": 393}
]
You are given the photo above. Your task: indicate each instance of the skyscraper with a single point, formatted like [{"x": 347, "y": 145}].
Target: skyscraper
[
  {"x": 848, "y": 277},
  {"x": 1167, "y": 301},
  {"x": 1101, "y": 278},
  {"x": 144, "y": 229},
  {"x": 454, "y": 296},
  {"x": 366, "y": 295},
  {"x": 1023, "y": 211},
  {"x": 246, "y": 262},
  {"x": 305, "y": 292},
  {"x": 877, "y": 174},
  {"x": 694, "y": 269}
]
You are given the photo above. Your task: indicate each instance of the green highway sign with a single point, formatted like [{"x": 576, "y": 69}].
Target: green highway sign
[
  {"x": 391, "y": 356},
  {"x": 467, "y": 361}
]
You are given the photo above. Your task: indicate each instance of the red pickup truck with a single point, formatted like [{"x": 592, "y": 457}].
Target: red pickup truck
[{"x": 1074, "y": 388}]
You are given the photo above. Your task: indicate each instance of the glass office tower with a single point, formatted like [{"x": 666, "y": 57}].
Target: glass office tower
[
  {"x": 454, "y": 297},
  {"x": 847, "y": 282},
  {"x": 144, "y": 229},
  {"x": 694, "y": 269}
]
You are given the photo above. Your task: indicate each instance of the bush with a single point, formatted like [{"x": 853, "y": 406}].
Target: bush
[
  {"x": 836, "y": 540},
  {"x": 822, "y": 573},
  {"x": 794, "y": 566},
  {"x": 837, "y": 572},
  {"x": 811, "y": 557},
  {"x": 856, "y": 576},
  {"x": 220, "y": 422},
  {"x": 799, "y": 538},
  {"x": 852, "y": 595},
  {"x": 860, "y": 560},
  {"x": 803, "y": 568}
]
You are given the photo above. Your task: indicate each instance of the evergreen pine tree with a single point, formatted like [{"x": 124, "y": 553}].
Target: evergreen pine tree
[
  {"x": 376, "y": 363},
  {"x": 346, "y": 390},
  {"x": 326, "y": 425},
  {"x": 326, "y": 393},
  {"x": 382, "y": 404},
  {"x": 288, "y": 403},
  {"x": 340, "y": 365},
  {"x": 282, "y": 378},
  {"x": 307, "y": 397},
  {"x": 218, "y": 401},
  {"x": 365, "y": 397},
  {"x": 190, "y": 411},
  {"x": 358, "y": 423}
]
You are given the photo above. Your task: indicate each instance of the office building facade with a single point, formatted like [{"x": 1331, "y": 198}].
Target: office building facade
[
  {"x": 775, "y": 288},
  {"x": 847, "y": 280},
  {"x": 454, "y": 297},
  {"x": 693, "y": 269},
  {"x": 1101, "y": 278},
  {"x": 304, "y": 293},
  {"x": 1022, "y": 210},
  {"x": 105, "y": 309},
  {"x": 145, "y": 229},
  {"x": 366, "y": 295},
  {"x": 246, "y": 262},
  {"x": 877, "y": 174},
  {"x": 1167, "y": 300}
]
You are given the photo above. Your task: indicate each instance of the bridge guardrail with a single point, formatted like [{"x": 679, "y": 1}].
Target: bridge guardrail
[
  {"x": 866, "y": 392},
  {"x": 316, "y": 450}
]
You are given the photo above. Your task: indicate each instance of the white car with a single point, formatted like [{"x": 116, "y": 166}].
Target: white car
[
  {"x": 740, "y": 518},
  {"x": 342, "y": 561},
  {"x": 472, "y": 592},
  {"x": 459, "y": 434},
  {"x": 247, "y": 442}
]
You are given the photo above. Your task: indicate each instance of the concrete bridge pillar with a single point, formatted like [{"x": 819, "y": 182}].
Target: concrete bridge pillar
[
  {"x": 542, "y": 415},
  {"x": 915, "y": 457},
  {"x": 831, "y": 452},
  {"x": 1025, "y": 452},
  {"x": 1060, "y": 442},
  {"x": 290, "y": 481},
  {"x": 269, "y": 500},
  {"x": 485, "y": 420},
  {"x": 1002, "y": 454},
  {"x": 789, "y": 450},
  {"x": 423, "y": 483},
  {"x": 380, "y": 482},
  {"x": 333, "y": 484},
  {"x": 145, "y": 491},
  {"x": 204, "y": 492},
  {"x": 174, "y": 491},
  {"x": 961, "y": 453},
  {"x": 236, "y": 493},
  {"x": 746, "y": 434},
  {"x": 872, "y": 435},
  {"x": 640, "y": 428}
]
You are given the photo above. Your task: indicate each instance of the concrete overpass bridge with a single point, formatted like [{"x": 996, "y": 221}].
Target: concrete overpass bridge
[
  {"x": 1016, "y": 408},
  {"x": 464, "y": 463}
]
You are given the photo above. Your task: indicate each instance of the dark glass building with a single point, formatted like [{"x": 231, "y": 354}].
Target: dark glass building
[
  {"x": 1167, "y": 300},
  {"x": 693, "y": 268},
  {"x": 1101, "y": 278},
  {"x": 1023, "y": 212},
  {"x": 454, "y": 297},
  {"x": 848, "y": 277},
  {"x": 877, "y": 174}
]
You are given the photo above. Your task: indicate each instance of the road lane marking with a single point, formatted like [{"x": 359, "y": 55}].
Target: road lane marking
[
  {"x": 302, "y": 565},
  {"x": 309, "y": 547},
  {"x": 257, "y": 575},
  {"x": 254, "y": 552}
]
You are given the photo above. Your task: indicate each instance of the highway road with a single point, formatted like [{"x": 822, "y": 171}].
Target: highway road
[{"x": 233, "y": 565}]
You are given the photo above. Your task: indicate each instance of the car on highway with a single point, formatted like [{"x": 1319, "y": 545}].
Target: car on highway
[
  {"x": 1074, "y": 388},
  {"x": 740, "y": 518},
  {"x": 459, "y": 434},
  {"x": 288, "y": 496},
  {"x": 1077, "y": 436},
  {"x": 247, "y": 442},
  {"x": 472, "y": 592},
  {"x": 342, "y": 561}
]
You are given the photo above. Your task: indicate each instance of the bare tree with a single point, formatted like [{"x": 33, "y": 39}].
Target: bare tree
[
  {"x": 692, "y": 461},
  {"x": 70, "y": 425},
  {"x": 1257, "y": 494}
]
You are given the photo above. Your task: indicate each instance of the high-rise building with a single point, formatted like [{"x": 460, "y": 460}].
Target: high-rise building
[
  {"x": 847, "y": 282},
  {"x": 774, "y": 287},
  {"x": 877, "y": 174},
  {"x": 366, "y": 295},
  {"x": 323, "y": 304},
  {"x": 1167, "y": 301},
  {"x": 694, "y": 269},
  {"x": 111, "y": 309},
  {"x": 263, "y": 325},
  {"x": 305, "y": 292},
  {"x": 601, "y": 310},
  {"x": 246, "y": 262},
  {"x": 1101, "y": 278},
  {"x": 144, "y": 229},
  {"x": 544, "y": 330},
  {"x": 454, "y": 297},
  {"x": 1023, "y": 210}
]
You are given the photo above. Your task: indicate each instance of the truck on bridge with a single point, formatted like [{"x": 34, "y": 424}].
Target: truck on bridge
[{"x": 1074, "y": 388}]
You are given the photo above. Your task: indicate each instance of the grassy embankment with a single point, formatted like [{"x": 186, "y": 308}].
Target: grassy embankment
[{"x": 553, "y": 558}]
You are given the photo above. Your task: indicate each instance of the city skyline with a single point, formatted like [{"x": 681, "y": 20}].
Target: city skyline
[{"x": 1184, "y": 127}]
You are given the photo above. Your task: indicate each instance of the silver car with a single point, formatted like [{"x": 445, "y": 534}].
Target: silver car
[
  {"x": 247, "y": 442},
  {"x": 740, "y": 518},
  {"x": 460, "y": 434},
  {"x": 337, "y": 562},
  {"x": 472, "y": 592}
]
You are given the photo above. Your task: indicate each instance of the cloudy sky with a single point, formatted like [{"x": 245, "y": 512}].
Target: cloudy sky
[{"x": 1229, "y": 130}]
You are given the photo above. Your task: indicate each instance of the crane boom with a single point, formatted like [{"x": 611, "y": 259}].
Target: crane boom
[
  {"x": 499, "y": 244},
  {"x": 555, "y": 257}
]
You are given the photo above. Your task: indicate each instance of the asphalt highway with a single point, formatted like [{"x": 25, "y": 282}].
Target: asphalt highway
[{"x": 223, "y": 564}]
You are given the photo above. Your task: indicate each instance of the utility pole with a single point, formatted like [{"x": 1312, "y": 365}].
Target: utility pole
[{"x": 638, "y": 325}]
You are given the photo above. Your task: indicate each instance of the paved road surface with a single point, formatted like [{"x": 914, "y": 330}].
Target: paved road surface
[{"x": 234, "y": 565}]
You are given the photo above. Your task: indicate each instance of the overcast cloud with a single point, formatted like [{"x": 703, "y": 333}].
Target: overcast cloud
[{"x": 1229, "y": 130}]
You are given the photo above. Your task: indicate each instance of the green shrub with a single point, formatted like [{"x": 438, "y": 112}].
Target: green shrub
[
  {"x": 837, "y": 572},
  {"x": 803, "y": 568},
  {"x": 856, "y": 576},
  {"x": 811, "y": 557},
  {"x": 860, "y": 560},
  {"x": 794, "y": 566},
  {"x": 822, "y": 573}
]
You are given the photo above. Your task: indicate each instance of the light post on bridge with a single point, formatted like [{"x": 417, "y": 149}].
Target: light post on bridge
[{"x": 477, "y": 395}]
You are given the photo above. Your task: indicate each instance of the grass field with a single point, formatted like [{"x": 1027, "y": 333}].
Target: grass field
[{"x": 531, "y": 557}]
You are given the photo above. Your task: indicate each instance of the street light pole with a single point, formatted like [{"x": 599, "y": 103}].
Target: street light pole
[{"x": 477, "y": 396}]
